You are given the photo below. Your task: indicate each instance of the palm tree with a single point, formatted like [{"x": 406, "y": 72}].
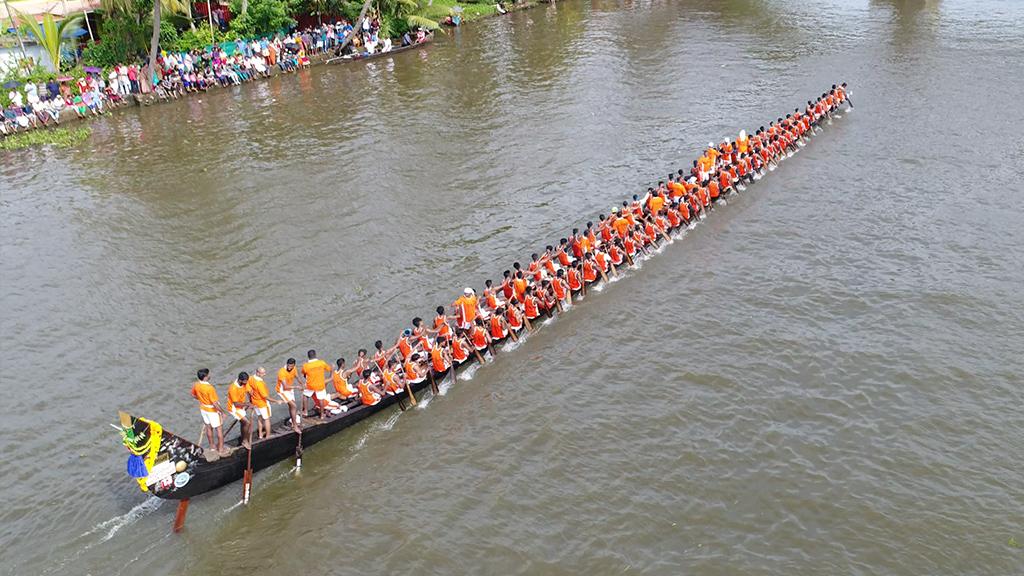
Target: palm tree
[
  {"x": 173, "y": 6},
  {"x": 50, "y": 35}
]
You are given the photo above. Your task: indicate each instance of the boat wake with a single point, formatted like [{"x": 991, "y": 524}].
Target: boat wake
[
  {"x": 511, "y": 345},
  {"x": 468, "y": 373},
  {"x": 445, "y": 386},
  {"x": 115, "y": 524}
]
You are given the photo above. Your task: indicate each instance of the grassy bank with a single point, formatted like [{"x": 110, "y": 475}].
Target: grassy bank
[
  {"x": 60, "y": 137},
  {"x": 442, "y": 8}
]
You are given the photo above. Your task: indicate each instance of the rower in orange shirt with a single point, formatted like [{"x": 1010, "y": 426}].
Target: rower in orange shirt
[
  {"x": 440, "y": 360},
  {"x": 392, "y": 381},
  {"x": 315, "y": 371},
  {"x": 238, "y": 393},
  {"x": 460, "y": 350},
  {"x": 369, "y": 393},
  {"x": 209, "y": 407},
  {"x": 414, "y": 370},
  {"x": 285, "y": 388},
  {"x": 339, "y": 378}
]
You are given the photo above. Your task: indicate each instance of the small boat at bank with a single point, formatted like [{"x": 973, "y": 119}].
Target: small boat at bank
[{"x": 361, "y": 56}]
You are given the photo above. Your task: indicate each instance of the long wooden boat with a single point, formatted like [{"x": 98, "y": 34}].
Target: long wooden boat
[
  {"x": 362, "y": 56},
  {"x": 171, "y": 467}
]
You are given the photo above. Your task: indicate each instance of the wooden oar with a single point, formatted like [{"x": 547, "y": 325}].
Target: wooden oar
[
  {"x": 298, "y": 450},
  {"x": 433, "y": 384},
  {"x": 479, "y": 356},
  {"x": 247, "y": 478},
  {"x": 412, "y": 395}
]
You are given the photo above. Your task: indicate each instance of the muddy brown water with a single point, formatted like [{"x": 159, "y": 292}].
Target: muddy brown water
[{"x": 822, "y": 378}]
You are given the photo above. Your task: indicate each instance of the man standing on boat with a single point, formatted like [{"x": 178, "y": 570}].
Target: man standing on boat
[
  {"x": 286, "y": 390},
  {"x": 260, "y": 398},
  {"x": 466, "y": 309},
  {"x": 315, "y": 371},
  {"x": 209, "y": 407},
  {"x": 238, "y": 405}
]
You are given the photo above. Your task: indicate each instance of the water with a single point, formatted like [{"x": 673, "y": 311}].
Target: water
[{"x": 821, "y": 378}]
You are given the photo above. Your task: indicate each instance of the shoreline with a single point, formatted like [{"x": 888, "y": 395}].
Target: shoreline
[{"x": 68, "y": 116}]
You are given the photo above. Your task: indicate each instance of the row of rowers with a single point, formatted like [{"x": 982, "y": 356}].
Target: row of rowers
[{"x": 547, "y": 283}]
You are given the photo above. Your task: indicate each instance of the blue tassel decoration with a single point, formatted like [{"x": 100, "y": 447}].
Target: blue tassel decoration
[{"x": 137, "y": 466}]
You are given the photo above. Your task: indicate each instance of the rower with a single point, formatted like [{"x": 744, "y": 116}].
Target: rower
[
  {"x": 499, "y": 326},
  {"x": 209, "y": 407},
  {"x": 460, "y": 350},
  {"x": 392, "y": 382},
  {"x": 440, "y": 360},
  {"x": 404, "y": 344},
  {"x": 238, "y": 392},
  {"x": 381, "y": 356},
  {"x": 490, "y": 300},
  {"x": 419, "y": 334},
  {"x": 506, "y": 285},
  {"x": 340, "y": 380},
  {"x": 478, "y": 336},
  {"x": 519, "y": 285},
  {"x": 314, "y": 370},
  {"x": 260, "y": 398},
  {"x": 285, "y": 388},
  {"x": 369, "y": 393},
  {"x": 441, "y": 325},
  {"x": 414, "y": 374}
]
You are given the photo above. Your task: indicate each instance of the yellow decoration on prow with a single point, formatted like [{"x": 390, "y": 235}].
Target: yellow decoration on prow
[{"x": 156, "y": 431}]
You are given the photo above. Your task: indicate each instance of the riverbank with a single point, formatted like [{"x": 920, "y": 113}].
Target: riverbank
[{"x": 439, "y": 9}]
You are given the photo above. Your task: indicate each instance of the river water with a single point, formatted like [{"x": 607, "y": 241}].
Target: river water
[{"x": 822, "y": 378}]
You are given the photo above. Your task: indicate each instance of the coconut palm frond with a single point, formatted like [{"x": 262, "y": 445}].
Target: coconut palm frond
[
  {"x": 423, "y": 22},
  {"x": 49, "y": 34}
]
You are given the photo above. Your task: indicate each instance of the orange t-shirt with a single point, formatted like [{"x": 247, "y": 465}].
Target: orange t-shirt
[
  {"x": 676, "y": 189},
  {"x": 467, "y": 307},
  {"x": 621, "y": 225},
  {"x": 286, "y": 378},
  {"x": 236, "y": 395},
  {"x": 656, "y": 204},
  {"x": 206, "y": 394},
  {"x": 258, "y": 392},
  {"x": 314, "y": 372}
]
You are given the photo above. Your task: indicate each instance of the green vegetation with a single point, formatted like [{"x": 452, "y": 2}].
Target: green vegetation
[
  {"x": 260, "y": 17},
  {"x": 51, "y": 34},
  {"x": 127, "y": 28},
  {"x": 60, "y": 137},
  {"x": 470, "y": 10}
]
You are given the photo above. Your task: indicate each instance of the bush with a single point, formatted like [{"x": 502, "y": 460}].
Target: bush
[
  {"x": 124, "y": 41},
  {"x": 197, "y": 39},
  {"x": 263, "y": 17}
]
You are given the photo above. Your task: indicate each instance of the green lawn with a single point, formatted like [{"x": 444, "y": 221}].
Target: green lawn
[{"x": 441, "y": 8}]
